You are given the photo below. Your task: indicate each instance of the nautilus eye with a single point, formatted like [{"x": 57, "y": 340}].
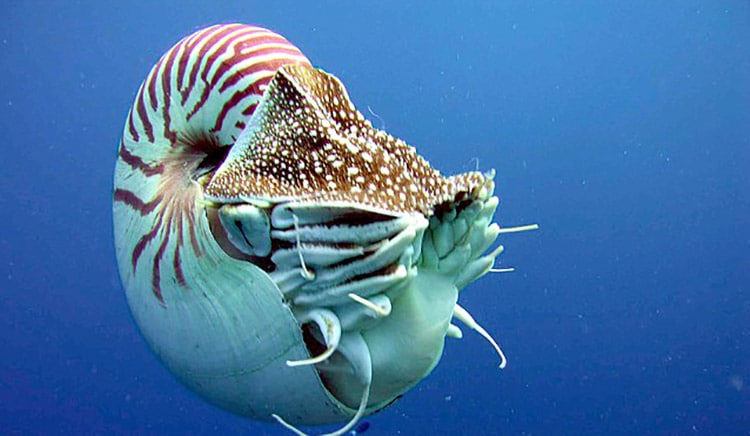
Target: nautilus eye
[{"x": 284, "y": 258}]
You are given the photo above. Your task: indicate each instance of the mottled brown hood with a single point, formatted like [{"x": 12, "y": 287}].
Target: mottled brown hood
[{"x": 306, "y": 141}]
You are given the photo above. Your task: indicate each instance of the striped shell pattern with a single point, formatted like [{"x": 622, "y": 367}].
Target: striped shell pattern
[{"x": 281, "y": 256}]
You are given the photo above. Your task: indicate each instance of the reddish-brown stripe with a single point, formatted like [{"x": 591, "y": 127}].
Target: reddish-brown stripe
[
  {"x": 261, "y": 65},
  {"x": 176, "y": 260},
  {"x": 223, "y": 48},
  {"x": 151, "y": 86},
  {"x": 236, "y": 98},
  {"x": 191, "y": 231},
  {"x": 137, "y": 163},
  {"x": 143, "y": 116},
  {"x": 199, "y": 104},
  {"x": 145, "y": 239},
  {"x": 188, "y": 45},
  {"x": 211, "y": 59},
  {"x": 166, "y": 84},
  {"x": 131, "y": 127},
  {"x": 178, "y": 267},
  {"x": 210, "y": 41},
  {"x": 156, "y": 272},
  {"x": 249, "y": 110},
  {"x": 240, "y": 52},
  {"x": 132, "y": 200}
]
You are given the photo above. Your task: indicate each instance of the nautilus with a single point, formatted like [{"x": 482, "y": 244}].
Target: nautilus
[{"x": 282, "y": 257}]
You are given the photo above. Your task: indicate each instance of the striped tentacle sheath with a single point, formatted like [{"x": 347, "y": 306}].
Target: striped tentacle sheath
[{"x": 283, "y": 257}]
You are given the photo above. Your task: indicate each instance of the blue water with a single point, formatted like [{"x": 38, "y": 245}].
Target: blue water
[{"x": 622, "y": 128}]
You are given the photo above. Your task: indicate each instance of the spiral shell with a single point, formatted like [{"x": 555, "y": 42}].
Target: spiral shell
[{"x": 281, "y": 256}]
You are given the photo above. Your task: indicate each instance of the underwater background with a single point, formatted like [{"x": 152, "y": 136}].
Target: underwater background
[{"x": 621, "y": 127}]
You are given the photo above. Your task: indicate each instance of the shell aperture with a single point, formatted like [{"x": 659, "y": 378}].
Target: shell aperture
[{"x": 281, "y": 256}]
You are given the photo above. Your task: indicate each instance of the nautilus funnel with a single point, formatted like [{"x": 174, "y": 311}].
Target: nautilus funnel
[{"x": 284, "y": 258}]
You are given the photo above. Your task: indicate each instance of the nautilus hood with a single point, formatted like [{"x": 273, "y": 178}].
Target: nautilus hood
[{"x": 307, "y": 142}]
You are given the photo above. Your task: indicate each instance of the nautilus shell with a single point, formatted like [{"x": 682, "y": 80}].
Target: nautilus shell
[{"x": 281, "y": 256}]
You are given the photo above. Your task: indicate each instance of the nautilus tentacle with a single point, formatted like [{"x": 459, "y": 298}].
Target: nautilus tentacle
[{"x": 283, "y": 258}]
